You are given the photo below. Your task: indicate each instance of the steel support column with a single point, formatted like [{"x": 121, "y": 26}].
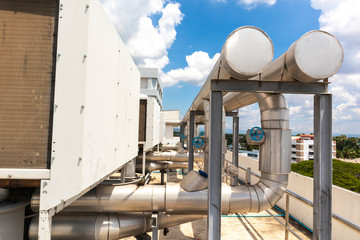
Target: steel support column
[
  {"x": 215, "y": 168},
  {"x": 235, "y": 143},
  {"x": 190, "y": 142},
  {"x": 45, "y": 222},
  {"x": 322, "y": 166},
  {"x": 182, "y": 133}
]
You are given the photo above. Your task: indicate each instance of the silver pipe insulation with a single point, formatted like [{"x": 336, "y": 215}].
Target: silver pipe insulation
[
  {"x": 172, "y": 156},
  {"x": 151, "y": 166},
  {"x": 174, "y": 147},
  {"x": 314, "y": 56},
  {"x": 172, "y": 199},
  {"x": 246, "y": 53},
  {"x": 274, "y": 165},
  {"x": 110, "y": 226}
]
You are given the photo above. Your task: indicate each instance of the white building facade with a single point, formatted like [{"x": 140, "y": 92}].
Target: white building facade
[{"x": 302, "y": 148}]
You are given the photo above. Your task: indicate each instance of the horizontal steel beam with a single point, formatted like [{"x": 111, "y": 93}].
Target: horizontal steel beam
[
  {"x": 231, "y": 114},
  {"x": 267, "y": 86},
  {"x": 193, "y": 113}
]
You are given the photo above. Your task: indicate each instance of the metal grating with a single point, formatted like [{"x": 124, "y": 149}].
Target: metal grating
[
  {"x": 142, "y": 120},
  {"x": 27, "y": 63}
]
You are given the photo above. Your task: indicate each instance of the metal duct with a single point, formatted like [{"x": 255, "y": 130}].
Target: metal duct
[
  {"x": 172, "y": 156},
  {"x": 108, "y": 226},
  {"x": 314, "y": 56},
  {"x": 274, "y": 165},
  {"x": 246, "y": 53},
  {"x": 151, "y": 166}
]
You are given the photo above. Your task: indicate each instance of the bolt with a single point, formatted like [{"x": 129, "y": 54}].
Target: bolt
[
  {"x": 9, "y": 176},
  {"x": 44, "y": 184}
]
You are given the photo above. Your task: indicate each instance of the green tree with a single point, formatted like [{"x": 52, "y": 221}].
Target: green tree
[
  {"x": 345, "y": 175},
  {"x": 347, "y": 147}
]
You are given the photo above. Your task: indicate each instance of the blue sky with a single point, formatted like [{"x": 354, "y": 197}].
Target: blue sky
[{"x": 183, "y": 39}]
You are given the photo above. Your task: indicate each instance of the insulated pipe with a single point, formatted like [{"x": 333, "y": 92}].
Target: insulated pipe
[
  {"x": 314, "y": 56},
  {"x": 172, "y": 156},
  {"x": 157, "y": 165},
  {"x": 274, "y": 165},
  {"x": 246, "y": 53},
  {"x": 170, "y": 199},
  {"x": 174, "y": 147},
  {"x": 109, "y": 226}
]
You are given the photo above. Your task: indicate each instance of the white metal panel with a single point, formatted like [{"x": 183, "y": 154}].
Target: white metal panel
[
  {"x": 162, "y": 127},
  {"x": 96, "y": 104},
  {"x": 14, "y": 173},
  {"x": 152, "y": 123}
]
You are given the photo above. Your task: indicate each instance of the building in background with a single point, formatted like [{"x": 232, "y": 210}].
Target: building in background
[
  {"x": 302, "y": 148},
  {"x": 151, "y": 93},
  {"x": 170, "y": 119}
]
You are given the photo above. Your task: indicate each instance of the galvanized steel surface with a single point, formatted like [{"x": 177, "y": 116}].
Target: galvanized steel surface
[
  {"x": 110, "y": 226},
  {"x": 172, "y": 156},
  {"x": 247, "y": 52},
  {"x": 193, "y": 181}
]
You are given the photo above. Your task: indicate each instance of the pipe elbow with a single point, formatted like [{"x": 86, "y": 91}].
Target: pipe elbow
[{"x": 265, "y": 194}]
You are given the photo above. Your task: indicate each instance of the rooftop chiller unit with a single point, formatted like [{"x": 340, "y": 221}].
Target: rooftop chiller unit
[{"x": 68, "y": 93}]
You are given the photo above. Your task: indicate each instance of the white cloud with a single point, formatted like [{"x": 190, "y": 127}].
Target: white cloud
[
  {"x": 340, "y": 18},
  {"x": 147, "y": 42},
  {"x": 253, "y": 3},
  {"x": 249, "y": 116},
  {"x": 199, "y": 67}
]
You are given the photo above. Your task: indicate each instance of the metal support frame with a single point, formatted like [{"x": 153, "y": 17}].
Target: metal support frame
[
  {"x": 122, "y": 174},
  {"x": 215, "y": 168},
  {"x": 45, "y": 222},
  {"x": 191, "y": 138},
  {"x": 322, "y": 166},
  {"x": 143, "y": 160},
  {"x": 155, "y": 226},
  {"x": 235, "y": 143},
  {"x": 248, "y": 176},
  {"x": 182, "y": 133},
  {"x": 322, "y": 155},
  {"x": 267, "y": 86},
  {"x": 162, "y": 181},
  {"x": 190, "y": 143}
]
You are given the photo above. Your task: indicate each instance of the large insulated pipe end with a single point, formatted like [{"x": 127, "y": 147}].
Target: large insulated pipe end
[
  {"x": 247, "y": 52},
  {"x": 314, "y": 56}
]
